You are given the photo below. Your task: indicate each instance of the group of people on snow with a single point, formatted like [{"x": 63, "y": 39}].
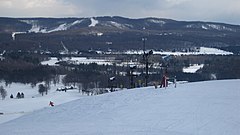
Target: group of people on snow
[{"x": 164, "y": 82}]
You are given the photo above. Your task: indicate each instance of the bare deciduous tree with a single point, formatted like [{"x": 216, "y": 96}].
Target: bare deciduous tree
[{"x": 41, "y": 89}]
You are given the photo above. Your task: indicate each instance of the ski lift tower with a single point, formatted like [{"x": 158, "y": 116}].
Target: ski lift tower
[{"x": 146, "y": 60}]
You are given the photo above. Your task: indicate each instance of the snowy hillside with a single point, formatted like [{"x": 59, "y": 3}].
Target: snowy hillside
[
  {"x": 38, "y": 28},
  {"x": 202, "y": 108},
  {"x": 119, "y": 34},
  {"x": 32, "y": 101}
]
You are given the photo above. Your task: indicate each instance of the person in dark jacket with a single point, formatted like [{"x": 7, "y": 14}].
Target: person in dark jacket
[{"x": 51, "y": 103}]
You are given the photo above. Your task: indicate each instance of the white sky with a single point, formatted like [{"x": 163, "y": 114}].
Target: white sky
[{"x": 227, "y": 11}]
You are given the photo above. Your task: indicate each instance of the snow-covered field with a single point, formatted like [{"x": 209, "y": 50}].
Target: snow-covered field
[
  {"x": 202, "y": 108},
  {"x": 77, "y": 60},
  {"x": 202, "y": 51},
  {"x": 84, "y": 60},
  {"x": 193, "y": 68},
  {"x": 51, "y": 62}
]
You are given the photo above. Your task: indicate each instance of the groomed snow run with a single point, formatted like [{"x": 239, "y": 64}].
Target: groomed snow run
[
  {"x": 32, "y": 101},
  {"x": 202, "y": 108},
  {"x": 93, "y": 22}
]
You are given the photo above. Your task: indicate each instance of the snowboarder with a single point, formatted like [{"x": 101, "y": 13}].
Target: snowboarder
[{"x": 51, "y": 103}]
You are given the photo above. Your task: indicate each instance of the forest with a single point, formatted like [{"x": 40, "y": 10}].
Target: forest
[{"x": 25, "y": 67}]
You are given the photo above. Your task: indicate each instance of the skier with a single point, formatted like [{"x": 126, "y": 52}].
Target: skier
[
  {"x": 164, "y": 82},
  {"x": 51, "y": 103},
  {"x": 175, "y": 82}
]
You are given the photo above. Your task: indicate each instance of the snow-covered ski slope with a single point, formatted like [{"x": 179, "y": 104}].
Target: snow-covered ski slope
[
  {"x": 32, "y": 101},
  {"x": 202, "y": 108}
]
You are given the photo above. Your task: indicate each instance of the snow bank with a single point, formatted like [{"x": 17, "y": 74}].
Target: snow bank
[{"x": 203, "y": 108}]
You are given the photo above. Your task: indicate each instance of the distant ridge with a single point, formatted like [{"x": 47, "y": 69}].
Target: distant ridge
[{"x": 124, "y": 33}]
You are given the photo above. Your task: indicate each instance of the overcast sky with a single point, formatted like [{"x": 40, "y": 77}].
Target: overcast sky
[{"x": 227, "y": 11}]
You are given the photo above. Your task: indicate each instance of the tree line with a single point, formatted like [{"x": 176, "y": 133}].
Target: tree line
[{"x": 26, "y": 68}]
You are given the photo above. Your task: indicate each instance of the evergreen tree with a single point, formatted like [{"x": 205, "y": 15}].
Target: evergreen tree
[
  {"x": 18, "y": 95},
  {"x": 22, "y": 95},
  {"x": 3, "y": 92}
]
